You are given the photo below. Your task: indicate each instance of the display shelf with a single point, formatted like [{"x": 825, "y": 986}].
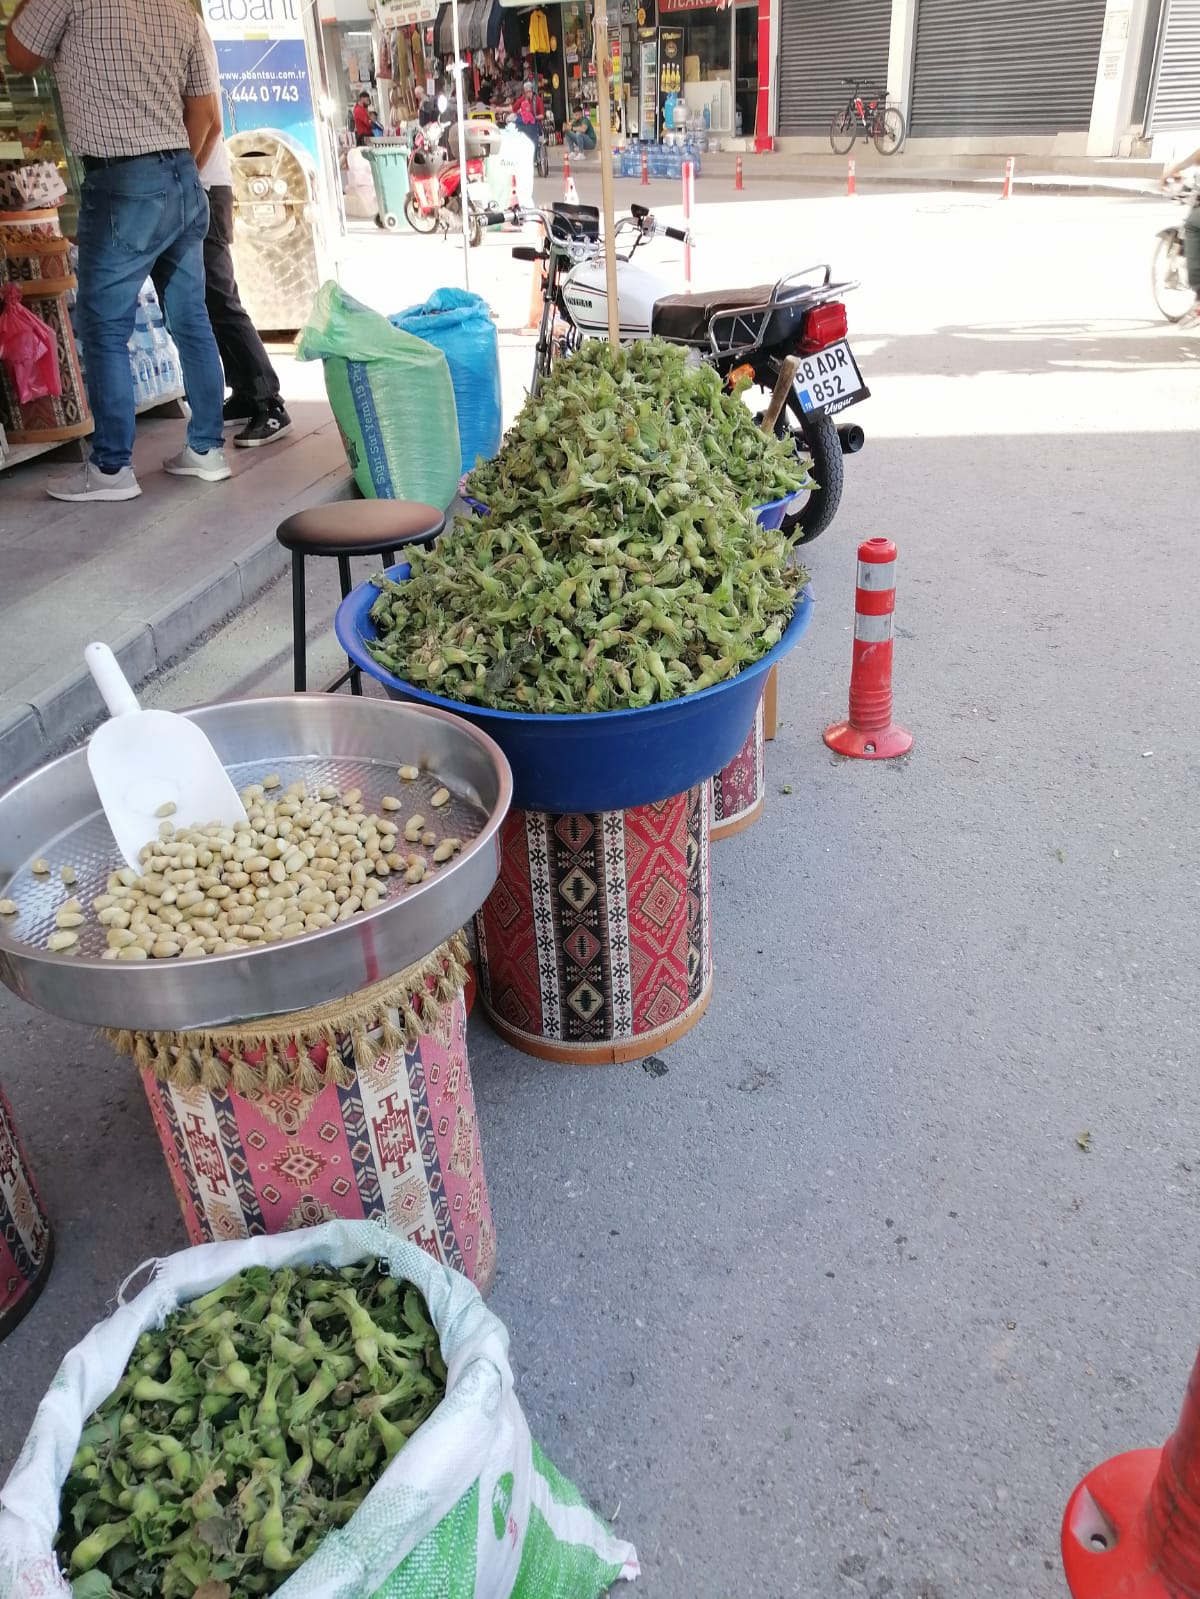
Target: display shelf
[{"x": 19, "y": 454}]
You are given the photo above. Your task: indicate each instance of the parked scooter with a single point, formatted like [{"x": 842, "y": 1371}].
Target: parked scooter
[
  {"x": 434, "y": 200},
  {"x": 791, "y": 333},
  {"x": 1173, "y": 294}
]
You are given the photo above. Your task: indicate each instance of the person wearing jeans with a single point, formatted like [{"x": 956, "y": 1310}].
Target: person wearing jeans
[
  {"x": 255, "y": 401},
  {"x": 139, "y": 101},
  {"x": 580, "y": 135}
]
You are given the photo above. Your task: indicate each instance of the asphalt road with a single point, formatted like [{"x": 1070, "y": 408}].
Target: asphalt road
[{"x": 840, "y": 1305}]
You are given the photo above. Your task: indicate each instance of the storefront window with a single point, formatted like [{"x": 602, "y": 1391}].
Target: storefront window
[{"x": 582, "y": 93}]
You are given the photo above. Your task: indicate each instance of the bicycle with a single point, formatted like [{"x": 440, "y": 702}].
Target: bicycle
[
  {"x": 873, "y": 119},
  {"x": 1173, "y": 294}
]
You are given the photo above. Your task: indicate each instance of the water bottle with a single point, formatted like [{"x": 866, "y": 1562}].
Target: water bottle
[{"x": 169, "y": 377}]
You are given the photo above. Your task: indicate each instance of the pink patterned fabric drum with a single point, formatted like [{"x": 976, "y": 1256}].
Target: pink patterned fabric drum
[
  {"x": 595, "y": 944},
  {"x": 369, "y": 1113},
  {"x": 739, "y": 789},
  {"x": 26, "y": 1242}
]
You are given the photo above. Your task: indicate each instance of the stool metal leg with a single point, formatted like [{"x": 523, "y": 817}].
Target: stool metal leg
[
  {"x": 299, "y": 666},
  {"x": 343, "y": 562}
]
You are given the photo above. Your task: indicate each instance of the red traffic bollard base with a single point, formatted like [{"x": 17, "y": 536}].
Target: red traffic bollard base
[
  {"x": 737, "y": 174},
  {"x": 1132, "y": 1527},
  {"x": 869, "y": 733}
]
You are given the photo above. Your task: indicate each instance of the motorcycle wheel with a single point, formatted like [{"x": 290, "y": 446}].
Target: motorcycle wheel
[
  {"x": 818, "y": 446},
  {"x": 418, "y": 220},
  {"x": 1168, "y": 277}
]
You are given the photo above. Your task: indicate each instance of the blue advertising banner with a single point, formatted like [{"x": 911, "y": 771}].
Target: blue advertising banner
[{"x": 265, "y": 84}]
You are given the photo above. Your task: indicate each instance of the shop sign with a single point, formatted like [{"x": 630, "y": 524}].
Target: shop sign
[
  {"x": 405, "y": 13},
  {"x": 670, "y": 7},
  {"x": 262, "y": 62},
  {"x": 670, "y": 66}
]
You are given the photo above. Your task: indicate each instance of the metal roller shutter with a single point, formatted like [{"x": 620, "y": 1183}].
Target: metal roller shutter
[
  {"x": 1175, "y": 95},
  {"x": 1005, "y": 66},
  {"x": 820, "y": 43}
]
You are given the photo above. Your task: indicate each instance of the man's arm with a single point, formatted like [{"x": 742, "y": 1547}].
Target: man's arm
[
  {"x": 202, "y": 119},
  {"x": 1180, "y": 167},
  {"x": 34, "y": 32}
]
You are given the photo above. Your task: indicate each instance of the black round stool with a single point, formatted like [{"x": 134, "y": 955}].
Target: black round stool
[{"x": 345, "y": 528}]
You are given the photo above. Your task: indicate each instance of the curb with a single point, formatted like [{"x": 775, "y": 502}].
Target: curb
[{"x": 34, "y": 733}]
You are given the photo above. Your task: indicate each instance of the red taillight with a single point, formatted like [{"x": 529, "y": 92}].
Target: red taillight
[{"x": 823, "y": 326}]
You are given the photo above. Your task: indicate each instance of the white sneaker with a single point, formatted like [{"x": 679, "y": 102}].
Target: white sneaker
[
  {"x": 88, "y": 482},
  {"x": 210, "y": 465}
]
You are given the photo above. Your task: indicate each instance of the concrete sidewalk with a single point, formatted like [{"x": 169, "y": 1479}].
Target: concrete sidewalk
[{"x": 147, "y": 576}]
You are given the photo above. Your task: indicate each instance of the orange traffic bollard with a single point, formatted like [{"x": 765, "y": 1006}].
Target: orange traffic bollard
[
  {"x": 513, "y": 203},
  {"x": 737, "y": 173},
  {"x": 1010, "y": 167},
  {"x": 645, "y": 172},
  {"x": 869, "y": 732},
  {"x": 851, "y": 187},
  {"x": 1132, "y": 1527},
  {"x": 570, "y": 192}
]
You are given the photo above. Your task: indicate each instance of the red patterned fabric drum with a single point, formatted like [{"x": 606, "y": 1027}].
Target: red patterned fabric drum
[
  {"x": 369, "y": 1115},
  {"x": 595, "y": 944},
  {"x": 26, "y": 1242},
  {"x": 739, "y": 789}
]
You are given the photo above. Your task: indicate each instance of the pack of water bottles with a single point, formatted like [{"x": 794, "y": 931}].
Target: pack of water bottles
[
  {"x": 153, "y": 358},
  {"x": 662, "y": 160}
]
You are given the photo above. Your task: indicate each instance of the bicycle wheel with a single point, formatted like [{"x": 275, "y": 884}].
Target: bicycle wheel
[
  {"x": 843, "y": 131},
  {"x": 1169, "y": 279},
  {"x": 542, "y": 157},
  {"x": 888, "y": 132}
]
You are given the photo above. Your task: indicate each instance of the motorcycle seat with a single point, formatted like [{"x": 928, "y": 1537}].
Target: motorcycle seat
[{"x": 684, "y": 318}]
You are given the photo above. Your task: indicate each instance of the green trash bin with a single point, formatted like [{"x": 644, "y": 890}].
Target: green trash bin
[{"x": 388, "y": 160}]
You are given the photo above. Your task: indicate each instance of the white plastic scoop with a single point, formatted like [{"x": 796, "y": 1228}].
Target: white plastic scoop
[{"x": 141, "y": 761}]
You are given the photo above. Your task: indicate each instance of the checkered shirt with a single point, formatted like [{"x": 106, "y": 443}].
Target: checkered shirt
[{"x": 123, "y": 68}]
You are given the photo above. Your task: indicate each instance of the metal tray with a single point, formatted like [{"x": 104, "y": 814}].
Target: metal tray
[{"x": 322, "y": 738}]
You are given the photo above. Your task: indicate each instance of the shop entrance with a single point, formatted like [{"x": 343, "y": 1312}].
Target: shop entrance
[{"x": 745, "y": 55}]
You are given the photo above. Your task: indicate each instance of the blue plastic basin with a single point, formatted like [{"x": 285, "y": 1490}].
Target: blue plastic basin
[{"x": 600, "y": 760}]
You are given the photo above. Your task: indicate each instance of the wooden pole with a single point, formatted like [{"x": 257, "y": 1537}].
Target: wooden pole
[
  {"x": 607, "y": 208},
  {"x": 787, "y": 376}
]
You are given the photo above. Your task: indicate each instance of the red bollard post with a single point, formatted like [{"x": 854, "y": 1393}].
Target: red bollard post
[
  {"x": 689, "y": 195},
  {"x": 1132, "y": 1527},
  {"x": 851, "y": 186},
  {"x": 869, "y": 732},
  {"x": 645, "y": 172},
  {"x": 513, "y": 204},
  {"x": 1010, "y": 166},
  {"x": 737, "y": 174}
]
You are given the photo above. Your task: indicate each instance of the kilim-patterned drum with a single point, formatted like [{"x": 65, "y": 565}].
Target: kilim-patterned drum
[
  {"x": 595, "y": 945},
  {"x": 739, "y": 789},
  {"x": 26, "y": 1243},
  {"x": 329, "y": 1120},
  {"x": 42, "y": 268}
]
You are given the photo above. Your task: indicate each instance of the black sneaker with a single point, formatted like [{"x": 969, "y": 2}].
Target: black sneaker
[
  {"x": 264, "y": 428},
  {"x": 237, "y": 410}
]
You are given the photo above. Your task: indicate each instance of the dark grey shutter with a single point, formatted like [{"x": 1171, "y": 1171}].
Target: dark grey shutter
[
  {"x": 1175, "y": 93},
  {"x": 1005, "y": 66},
  {"x": 820, "y": 43}
]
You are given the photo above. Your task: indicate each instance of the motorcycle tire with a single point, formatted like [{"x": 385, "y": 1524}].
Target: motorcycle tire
[
  {"x": 1168, "y": 278},
  {"x": 418, "y": 220},
  {"x": 817, "y": 443}
]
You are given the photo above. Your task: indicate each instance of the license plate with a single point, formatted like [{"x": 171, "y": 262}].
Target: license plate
[{"x": 829, "y": 380}]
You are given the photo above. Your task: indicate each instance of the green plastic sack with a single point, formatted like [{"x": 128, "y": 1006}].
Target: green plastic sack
[
  {"x": 392, "y": 399},
  {"x": 469, "y": 1509}
]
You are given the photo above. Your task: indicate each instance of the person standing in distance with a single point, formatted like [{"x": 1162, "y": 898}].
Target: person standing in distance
[
  {"x": 363, "y": 121},
  {"x": 139, "y": 101},
  {"x": 255, "y": 400}
]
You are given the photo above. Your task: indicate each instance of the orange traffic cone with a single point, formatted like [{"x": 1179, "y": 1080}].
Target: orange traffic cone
[
  {"x": 570, "y": 192},
  {"x": 513, "y": 203}
]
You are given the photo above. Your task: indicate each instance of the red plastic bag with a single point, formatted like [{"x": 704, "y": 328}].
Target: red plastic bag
[{"x": 28, "y": 349}]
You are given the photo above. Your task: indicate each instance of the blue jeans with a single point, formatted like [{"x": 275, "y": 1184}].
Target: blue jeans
[
  {"x": 579, "y": 143},
  {"x": 138, "y": 219}
]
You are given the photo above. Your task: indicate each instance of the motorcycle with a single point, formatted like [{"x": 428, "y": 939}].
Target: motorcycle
[
  {"x": 789, "y": 336},
  {"x": 1173, "y": 295},
  {"x": 434, "y": 199}
]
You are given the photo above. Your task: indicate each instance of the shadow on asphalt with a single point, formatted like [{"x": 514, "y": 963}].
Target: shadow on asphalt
[{"x": 975, "y": 350}]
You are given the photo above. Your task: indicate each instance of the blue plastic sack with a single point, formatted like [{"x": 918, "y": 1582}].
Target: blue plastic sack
[{"x": 460, "y": 325}]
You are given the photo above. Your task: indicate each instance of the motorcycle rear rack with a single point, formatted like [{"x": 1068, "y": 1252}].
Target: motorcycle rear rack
[{"x": 741, "y": 330}]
